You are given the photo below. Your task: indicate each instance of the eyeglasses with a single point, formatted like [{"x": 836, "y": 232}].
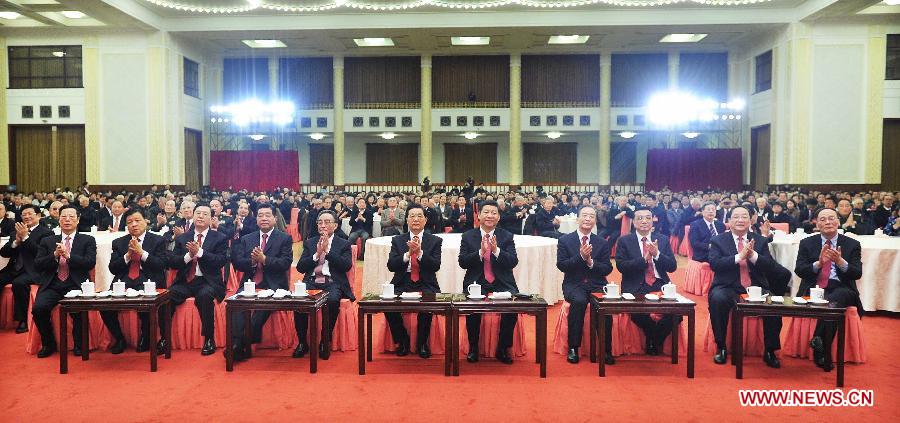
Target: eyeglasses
[
  {"x": 643, "y": 217},
  {"x": 827, "y": 219}
]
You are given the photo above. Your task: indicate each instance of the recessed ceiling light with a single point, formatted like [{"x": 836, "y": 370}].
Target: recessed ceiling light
[
  {"x": 388, "y": 135},
  {"x": 554, "y": 135},
  {"x": 59, "y": 53},
  {"x": 682, "y": 38},
  {"x": 568, "y": 39},
  {"x": 9, "y": 15},
  {"x": 73, "y": 14},
  {"x": 471, "y": 135},
  {"x": 690, "y": 135},
  {"x": 470, "y": 41},
  {"x": 317, "y": 136},
  {"x": 373, "y": 42},
  {"x": 257, "y": 137},
  {"x": 264, "y": 43},
  {"x": 627, "y": 134}
]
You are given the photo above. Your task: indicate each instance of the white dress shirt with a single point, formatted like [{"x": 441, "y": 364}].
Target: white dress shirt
[{"x": 187, "y": 255}]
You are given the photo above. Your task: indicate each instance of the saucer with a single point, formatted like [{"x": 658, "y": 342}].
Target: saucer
[
  {"x": 299, "y": 295},
  {"x": 610, "y": 297},
  {"x": 247, "y": 294},
  {"x": 812, "y": 301},
  {"x": 673, "y": 297},
  {"x": 150, "y": 294},
  {"x": 132, "y": 295},
  {"x": 475, "y": 297},
  {"x": 756, "y": 300}
]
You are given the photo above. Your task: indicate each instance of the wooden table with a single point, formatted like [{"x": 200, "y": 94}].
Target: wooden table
[
  {"x": 429, "y": 303},
  {"x": 680, "y": 307},
  {"x": 310, "y": 304},
  {"x": 827, "y": 312},
  {"x": 142, "y": 303},
  {"x": 535, "y": 306}
]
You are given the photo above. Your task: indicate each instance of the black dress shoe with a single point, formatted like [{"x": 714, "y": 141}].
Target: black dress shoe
[
  {"x": 46, "y": 351},
  {"x": 238, "y": 353},
  {"x": 403, "y": 349},
  {"x": 818, "y": 348},
  {"x": 771, "y": 360},
  {"x": 572, "y": 357},
  {"x": 162, "y": 346},
  {"x": 503, "y": 356},
  {"x": 76, "y": 350},
  {"x": 143, "y": 344},
  {"x": 324, "y": 353},
  {"x": 22, "y": 328},
  {"x": 609, "y": 360},
  {"x": 652, "y": 349},
  {"x": 424, "y": 351},
  {"x": 721, "y": 356},
  {"x": 118, "y": 347},
  {"x": 472, "y": 356},
  {"x": 827, "y": 366},
  {"x": 300, "y": 351},
  {"x": 209, "y": 347}
]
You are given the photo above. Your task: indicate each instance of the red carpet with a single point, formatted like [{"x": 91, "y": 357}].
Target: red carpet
[{"x": 273, "y": 387}]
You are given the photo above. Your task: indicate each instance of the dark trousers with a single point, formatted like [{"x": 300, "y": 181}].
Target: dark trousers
[
  {"x": 507, "y": 324},
  {"x": 841, "y": 296},
  {"x": 551, "y": 234},
  {"x": 399, "y": 333},
  {"x": 721, "y": 301},
  {"x": 655, "y": 331},
  {"x": 258, "y": 319},
  {"x": 334, "y": 307},
  {"x": 21, "y": 288},
  {"x": 44, "y": 303},
  {"x": 578, "y": 298},
  {"x": 111, "y": 320},
  {"x": 204, "y": 296}
]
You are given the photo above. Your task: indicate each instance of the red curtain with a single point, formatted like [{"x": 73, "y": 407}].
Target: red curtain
[
  {"x": 254, "y": 170},
  {"x": 694, "y": 169}
]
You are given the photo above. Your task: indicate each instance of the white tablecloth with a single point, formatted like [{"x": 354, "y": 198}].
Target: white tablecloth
[
  {"x": 568, "y": 224},
  {"x": 3, "y": 260},
  {"x": 376, "y": 226},
  {"x": 536, "y": 272},
  {"x": 879, "y": 287}
]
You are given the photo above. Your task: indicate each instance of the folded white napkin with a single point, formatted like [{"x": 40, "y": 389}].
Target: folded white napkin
[
  {"x": 411, "y": 295},
  {"x": 505, "y": 295},
  {"x": 73, "y": 293},
  {"x": 265, "y": 293},
  {"x": 281, "y": 293}
]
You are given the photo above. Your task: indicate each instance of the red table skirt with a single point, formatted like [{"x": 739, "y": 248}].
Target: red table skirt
[
  {"x": 754, "y": 342},
  {"x": 627, "y": 337},
  {"x": 6, "y": 308},
  {"x": 381, "y": 333},
  {"x": 490, "y": 335},
  {"x": 685, "y": 248},
  {"x": 800, "y": 331},
  {"x": 698, "y": 278}
]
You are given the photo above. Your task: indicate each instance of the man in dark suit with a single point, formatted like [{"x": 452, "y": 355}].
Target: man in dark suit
[
  {"x": 137, "y": 257},
  {"x": 740, "y": 258},
  {"x": 461, "y": 217},
  {"x": 583, "y": 257},
  {"x": 488, "y": 254},
  {"x": 220, "y": 221},
  {"x": 415, "y": 258},
  {"x": 264, "y": 257},
  {"x": 833, "y": 262},
  {"x": 65, "y": 261},
  {"x": 184, "y": 223},
  {"x": 115, "y": 221},
  {"x": 614, "y": 219},
  {"x": 21, "y": 271},
  {"x": 361, "y": 220},
  {"x": 325, "y": 261},
  {"x": 703, "y": 230},
  {"x": 645, "y": 261},
  {"x": 199, "y": 256},
  {"x": 546, "y": 220},
  {"x": 88, "y": 215},
  {"x": 723, "y": 215}
]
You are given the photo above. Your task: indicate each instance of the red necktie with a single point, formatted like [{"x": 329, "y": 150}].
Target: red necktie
[
  {"x": 134, "y": 266},
  {"x": 258, "y": 274},
  {"x": 488, "y": 271},
  {"x": 824, "y": 269},
  {"x": 115, "y": 226},
  {"x": 414, "y": 263},
  {"x": 649, "y": 275},
  {"x": 192, "y": 271},
  {"x": 745, "y": 271},
  {"x": 320, "y": 268},
  {"x": 63, "y": 272},
  {"x": 584, "y": 241}
]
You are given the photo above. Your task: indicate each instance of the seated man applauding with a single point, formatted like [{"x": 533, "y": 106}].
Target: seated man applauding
[
  {"x": 415, "y": 258},
  {"x": 833, "y": 262},
  {"x": 645, "y": 261}
]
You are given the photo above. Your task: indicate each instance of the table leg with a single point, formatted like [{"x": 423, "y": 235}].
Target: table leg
[
  {"x": 454, "y": 321},
  {"x": 593, "y": 331},
  {"x": 360, "y": 339},
  {"x": 601, "y": 340},
  {"x": 313, "y": 329},
  {"x": 840, "y": 351},
  {"x": 448, "y": 344},
  {"x": 167, "y": 328},
  {"x": 248, "y": 333},
  {"x": 542, "y": 340},
  {"x": 154, "y": 329},
  {"x": 690, "y": 351},
  {"x": 369, "y": 337},
  {"x": 229, "y": 341},
  {"x": 63, "y": 341},
  {"x": 737, "y": 343},
  {"x": 85, "y": 337},
  {"x": 676, "y": 324}
]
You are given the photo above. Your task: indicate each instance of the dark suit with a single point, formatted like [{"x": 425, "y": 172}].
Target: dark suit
[
  {"x": 206, "y": 288},
  {"x": 279, "y": 256},
  {"x": 107, "y": 222},
  {"x": 543, "y": 222},
  {"x": 700, "y": 235},
  {"x": 82, "y": 259},
  {"x": 726, "y": 284},
  {"x": 461, "y": 226},
  {"x": 842, "y": 290},
  {"x": 502, "y": 267},
  {"x": 21, "y": 271},
  {"x": 630, "y": 262},
  {"x": 339, "y": 258},
  {"x": 429, "y": 264},
  {"x": 579, "y": 281},
  {"x": 153, "y": 268},
  {"x": 89, "y": 217}
]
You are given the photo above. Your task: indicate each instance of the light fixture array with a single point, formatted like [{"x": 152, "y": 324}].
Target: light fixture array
[{"x": 280, "y": 6}]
